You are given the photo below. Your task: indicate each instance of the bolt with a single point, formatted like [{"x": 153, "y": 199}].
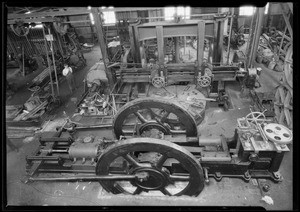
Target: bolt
[{"x": 266, "y": 187}]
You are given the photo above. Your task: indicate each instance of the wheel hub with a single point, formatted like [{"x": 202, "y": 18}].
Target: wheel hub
[
  {"x": 150, "y": 179},
  {"x": 152, "y": 130}
]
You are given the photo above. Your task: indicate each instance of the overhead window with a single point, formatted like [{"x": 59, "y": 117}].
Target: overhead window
[
  {"x": 247, "y": 10},
  {"x": 267, "y": 8},
  {"x": 109, "y": 16},
  {"x": 184, "y": 12}
]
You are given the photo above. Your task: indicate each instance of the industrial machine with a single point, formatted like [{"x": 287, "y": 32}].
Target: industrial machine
[
  {"x": 180, "y": 52},
  {"x": 158, "y": 149},
  {"x": 157, "y": 104},
  {"x": 95, "y": 99}
]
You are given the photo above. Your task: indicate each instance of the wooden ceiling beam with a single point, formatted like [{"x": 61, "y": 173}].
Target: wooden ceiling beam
[{"x": 60, "y": 12}]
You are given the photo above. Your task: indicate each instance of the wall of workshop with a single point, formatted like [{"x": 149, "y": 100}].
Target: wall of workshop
[
  {"x": 33, "y": 43},
  {"x": 85, "y": 30},
  {"x": 276, "y": 17}
]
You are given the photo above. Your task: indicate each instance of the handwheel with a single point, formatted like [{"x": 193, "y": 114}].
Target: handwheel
[
  {"x": 254, "y": 117},
  {"x": 204, "y": 81},
  {"x": 158, "y": 82},
  {"x": 161, "y": 167},
  {"x": 142, "y": 115}
]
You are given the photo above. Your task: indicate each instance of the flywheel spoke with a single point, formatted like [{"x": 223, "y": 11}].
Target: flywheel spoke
[
  {"x": 131, "y": 160},
  {"x": 179, "y": 178},
  {"x": 161, "y": 161},
  {"x": 138, "y": 190},
  {"x": 140, "y": 117},
  {"x": 165, "y": 192}
]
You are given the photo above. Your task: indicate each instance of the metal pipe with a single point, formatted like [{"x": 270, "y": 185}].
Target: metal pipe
[
  {"x": 89, "y": 178},
  {"x": 51, "y": 83},
  {"x": 93, "y": 127},
  {"x": 53, "y": 61}
]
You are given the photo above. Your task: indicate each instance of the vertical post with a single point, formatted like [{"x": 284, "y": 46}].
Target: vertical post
[
  {"x": 177, "y": 49},
  {"x": 136, "y": 41},
  {"x": 132, "y": 43},
  {"x": 184, "y": 44},
  {"x": 53, "y": 61},
  {"x": 250, "y": 39},
  {"x": 23, "y": 65},
  {"x": 160, "y": 44},
  {"x": 257, "y": 34},
  {"x": 219, "y": 30},
  {"x": 200, "y": 43},
  {"x": 48, "y": 60},
  {"x": 229, "y": 38},
  {"x": 98, "y": 25}
]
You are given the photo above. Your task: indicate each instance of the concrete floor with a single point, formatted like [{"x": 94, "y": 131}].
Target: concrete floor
[{"x": 228, "y": 192}]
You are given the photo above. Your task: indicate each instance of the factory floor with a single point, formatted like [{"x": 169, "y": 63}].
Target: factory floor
[{"x": 228, "y": 192}]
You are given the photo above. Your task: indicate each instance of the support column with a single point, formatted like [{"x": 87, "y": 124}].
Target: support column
[
  {"x": 160, "y": 44},
  {"x": 48, "y": 60},
  {"x": 53, "y": 61},
  {"x": 229, "y": 36},
  {"x": 218, "y": 44},
  {"x": 257, "y": 33},
  {"x": 177, "y": 49},
  {"x": 200, "y": 43},
  {"x": 103, "y": 48}
]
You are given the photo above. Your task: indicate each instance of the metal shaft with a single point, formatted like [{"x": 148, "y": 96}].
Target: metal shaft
[{"x": 89, "y": 178}]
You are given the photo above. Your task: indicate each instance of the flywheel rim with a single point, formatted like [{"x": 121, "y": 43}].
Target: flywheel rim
[{"x": 124, "y": 147}]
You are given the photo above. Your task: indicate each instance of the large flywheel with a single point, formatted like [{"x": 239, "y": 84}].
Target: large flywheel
[
  {"x": 159, "y": 166},
  {"x": 143, "y": 116}
]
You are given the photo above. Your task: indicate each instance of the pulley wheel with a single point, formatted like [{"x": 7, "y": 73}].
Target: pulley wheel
[
  {"x": 278, "y": 133},
  {"x": 158, "y": 113},
  {"x": 164, "y": 167}
]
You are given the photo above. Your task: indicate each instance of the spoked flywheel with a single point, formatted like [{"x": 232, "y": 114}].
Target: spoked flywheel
[
  {"x": 153, "y": 166},
  {"x": 142, "y": 115}
]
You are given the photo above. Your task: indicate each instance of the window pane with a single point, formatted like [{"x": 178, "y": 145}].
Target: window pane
[
  {"x": 187, "y": 12},
  {"x": 109, "y": 17},
  {"x": 180, "y": 11},
  {"x": 248, "y": 10},
  {"x": 169, "y": 12}
]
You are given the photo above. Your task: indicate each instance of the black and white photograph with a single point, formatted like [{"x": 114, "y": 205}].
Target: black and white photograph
[{"x": 168, "y": 106}]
